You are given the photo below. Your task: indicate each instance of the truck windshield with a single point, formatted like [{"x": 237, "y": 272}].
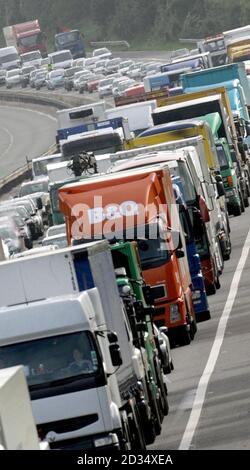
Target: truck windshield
[
  {"x": 29, "y": 40},
  {"x": 65, "y": 38},
  {"x": 187, "y": 183},
  {"x": 222, "y": 157},
  {"x": 54, "y": 361}
]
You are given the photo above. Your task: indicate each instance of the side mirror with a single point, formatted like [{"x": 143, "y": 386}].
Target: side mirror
[
  {"x": 112, "y": 337},
  {"x": 180, "y": 253},
  {"x": 248, "y": 128},
  {"x": 115, "y": 354},
  {"x": 220, "y": 188},
  {"x": 163, "y": 329},
  {"x": 39, "y": 203}
]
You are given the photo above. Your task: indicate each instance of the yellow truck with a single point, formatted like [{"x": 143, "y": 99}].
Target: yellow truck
[{"x": 177, "y": 131}]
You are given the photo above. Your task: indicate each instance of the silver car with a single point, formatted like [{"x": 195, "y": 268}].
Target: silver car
[{"x": 13, "y": 78}]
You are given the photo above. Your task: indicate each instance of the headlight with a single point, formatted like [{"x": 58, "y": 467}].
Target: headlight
[
  {"x": 196, "y": 295},
  {"x": 106, "y": 441},
  {"x": 230, "y": 192},
  {"x": 174, "y": 313}
]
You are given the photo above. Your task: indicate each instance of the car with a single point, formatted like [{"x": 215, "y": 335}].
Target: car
[
  {"x": 113, "y": 65},
  {"x": 122, "y": 86},
  {"x": 25, "y": 76},
  {"x": 56, "y": 230},
  {"x": 2, "y": 77},
  {"x": 31, "y": 58},
  {"x": 60, "y": 59},
  {"x": 59, "y": 240},
  {"x": 55, "y": 79},
  {"x": 93, "y": 83},
  {"x": 105, "y": 87},
  {"x": 10, "y": 235},
  {"x": 69, "y": 76},
  {"x": 103, "y": 53},
  {"x": 39, "y": 80},
  {"x": 164, "y": 348},
  {"x": 13, "y": 78},
  {"x": 124, "y": 66}
]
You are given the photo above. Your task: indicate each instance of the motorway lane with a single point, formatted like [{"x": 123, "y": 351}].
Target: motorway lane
[
  {"x": 225, "y": 417},
  {"x": 23, "y": 132}
]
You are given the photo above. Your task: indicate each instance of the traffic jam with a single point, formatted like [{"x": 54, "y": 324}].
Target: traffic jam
[{"x": 121, "y": 249}]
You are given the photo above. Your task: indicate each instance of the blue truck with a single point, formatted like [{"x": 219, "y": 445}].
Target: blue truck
[
  {"x": 199, "y": 296},
  {"x": 72, "y": 40}
]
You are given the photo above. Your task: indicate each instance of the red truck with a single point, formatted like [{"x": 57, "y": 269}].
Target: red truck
[{"x": 26, "y": 37}]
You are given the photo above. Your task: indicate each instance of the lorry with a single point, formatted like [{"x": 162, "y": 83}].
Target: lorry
[
  {"x": 237, "y": 43},
  {"x": 107, "y": 207},
  {"x": 138, "y": 115},
  {"x": 217, "y": 76},
  {"x": 177, "y": 164},
  {"x": 75, "y": 305},
  {"x": 170, "y": 79},
  {"x": 26, "y": 37},
  {"x": 211, "y": 108},
  {"x": 75, "y": 118},
  {"x": 198, "y": 176},
  {"x": 72, "y": 40},
  {"x": 206, "y": 152},
  {"x": 18, "y": 430},
  {"x": 215, "y": 45},
  {"x": 157, "y": 95},
  {"x": 194, "y": 62},
  {"x": 9, "y": 58}
]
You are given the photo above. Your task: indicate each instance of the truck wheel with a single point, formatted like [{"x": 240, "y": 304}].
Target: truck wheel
[
  {"x": 211, "y": 289},
  {"x": 237, "y": 211},
  {"x": 242, "y": 206},
  {"x": 165, "y": 407},
  {"x": 217, "y": 284},
  {"x": 184, "y": 337},
  {"x": 193, "y": 329},
  {"x": 138, "y": 441},
  {"x": 246, "y": 202}
]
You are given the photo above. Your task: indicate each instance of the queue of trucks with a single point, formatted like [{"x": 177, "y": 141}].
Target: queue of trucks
[
  {"x": 27, "y": 39},
  {"x": 145, "y": 190}
]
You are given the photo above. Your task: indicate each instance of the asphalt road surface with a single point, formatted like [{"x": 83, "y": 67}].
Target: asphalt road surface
[
  {"x": 209, "y": 390},
  {"x": 23, "y": 132}
]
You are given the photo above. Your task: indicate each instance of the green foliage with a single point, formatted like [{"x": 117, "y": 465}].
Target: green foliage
[{"x": 137, "y": 21}]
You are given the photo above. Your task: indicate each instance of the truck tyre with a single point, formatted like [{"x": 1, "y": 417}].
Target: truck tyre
[
  {"x": 217, "y": 284},
  {"x": 184, "y": 337},
  {"x": 138, "y": 441},
  {"x": 193, "y": 328},
  {"x": 211, "y": 289},
  {"x": 242, "y": 206},
  {"x": 246, "y": 201},
  {"x": 237, "y": 211}
]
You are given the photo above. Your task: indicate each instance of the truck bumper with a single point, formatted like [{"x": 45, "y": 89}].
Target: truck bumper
[{"x": 107, "y": 443}]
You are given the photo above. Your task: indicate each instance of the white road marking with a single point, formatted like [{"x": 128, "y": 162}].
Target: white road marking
[
  {"x": 214, "y": 353},
  {"x": 31, "y": 111},
  {"x": 11, "y": 137}
]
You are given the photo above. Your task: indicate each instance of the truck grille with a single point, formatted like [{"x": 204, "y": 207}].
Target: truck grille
[{"x": 66, "y": 425}]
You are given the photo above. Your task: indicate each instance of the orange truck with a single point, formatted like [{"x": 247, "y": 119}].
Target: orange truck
[{"x": 139, "y": 205}]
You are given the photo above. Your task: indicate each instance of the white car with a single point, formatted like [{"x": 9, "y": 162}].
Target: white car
[
  {"x": 61, "y": 59},
  {"x": 31, "y": 58},
  {"x": 102, "y": 53},
  {"x": 119, "y": 89},
  {"x": 13, "y": 78},
  {"x": 56, "y": 230},
  {"x": 105, "y": 87},
  {"x": 59, "y": 240}
]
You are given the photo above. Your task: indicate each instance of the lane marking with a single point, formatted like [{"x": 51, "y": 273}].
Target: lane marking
[
  {"x": 30, "y": 110},
  {"x": 214, "y": 353},
  {"x": 11, "y": 138}
]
